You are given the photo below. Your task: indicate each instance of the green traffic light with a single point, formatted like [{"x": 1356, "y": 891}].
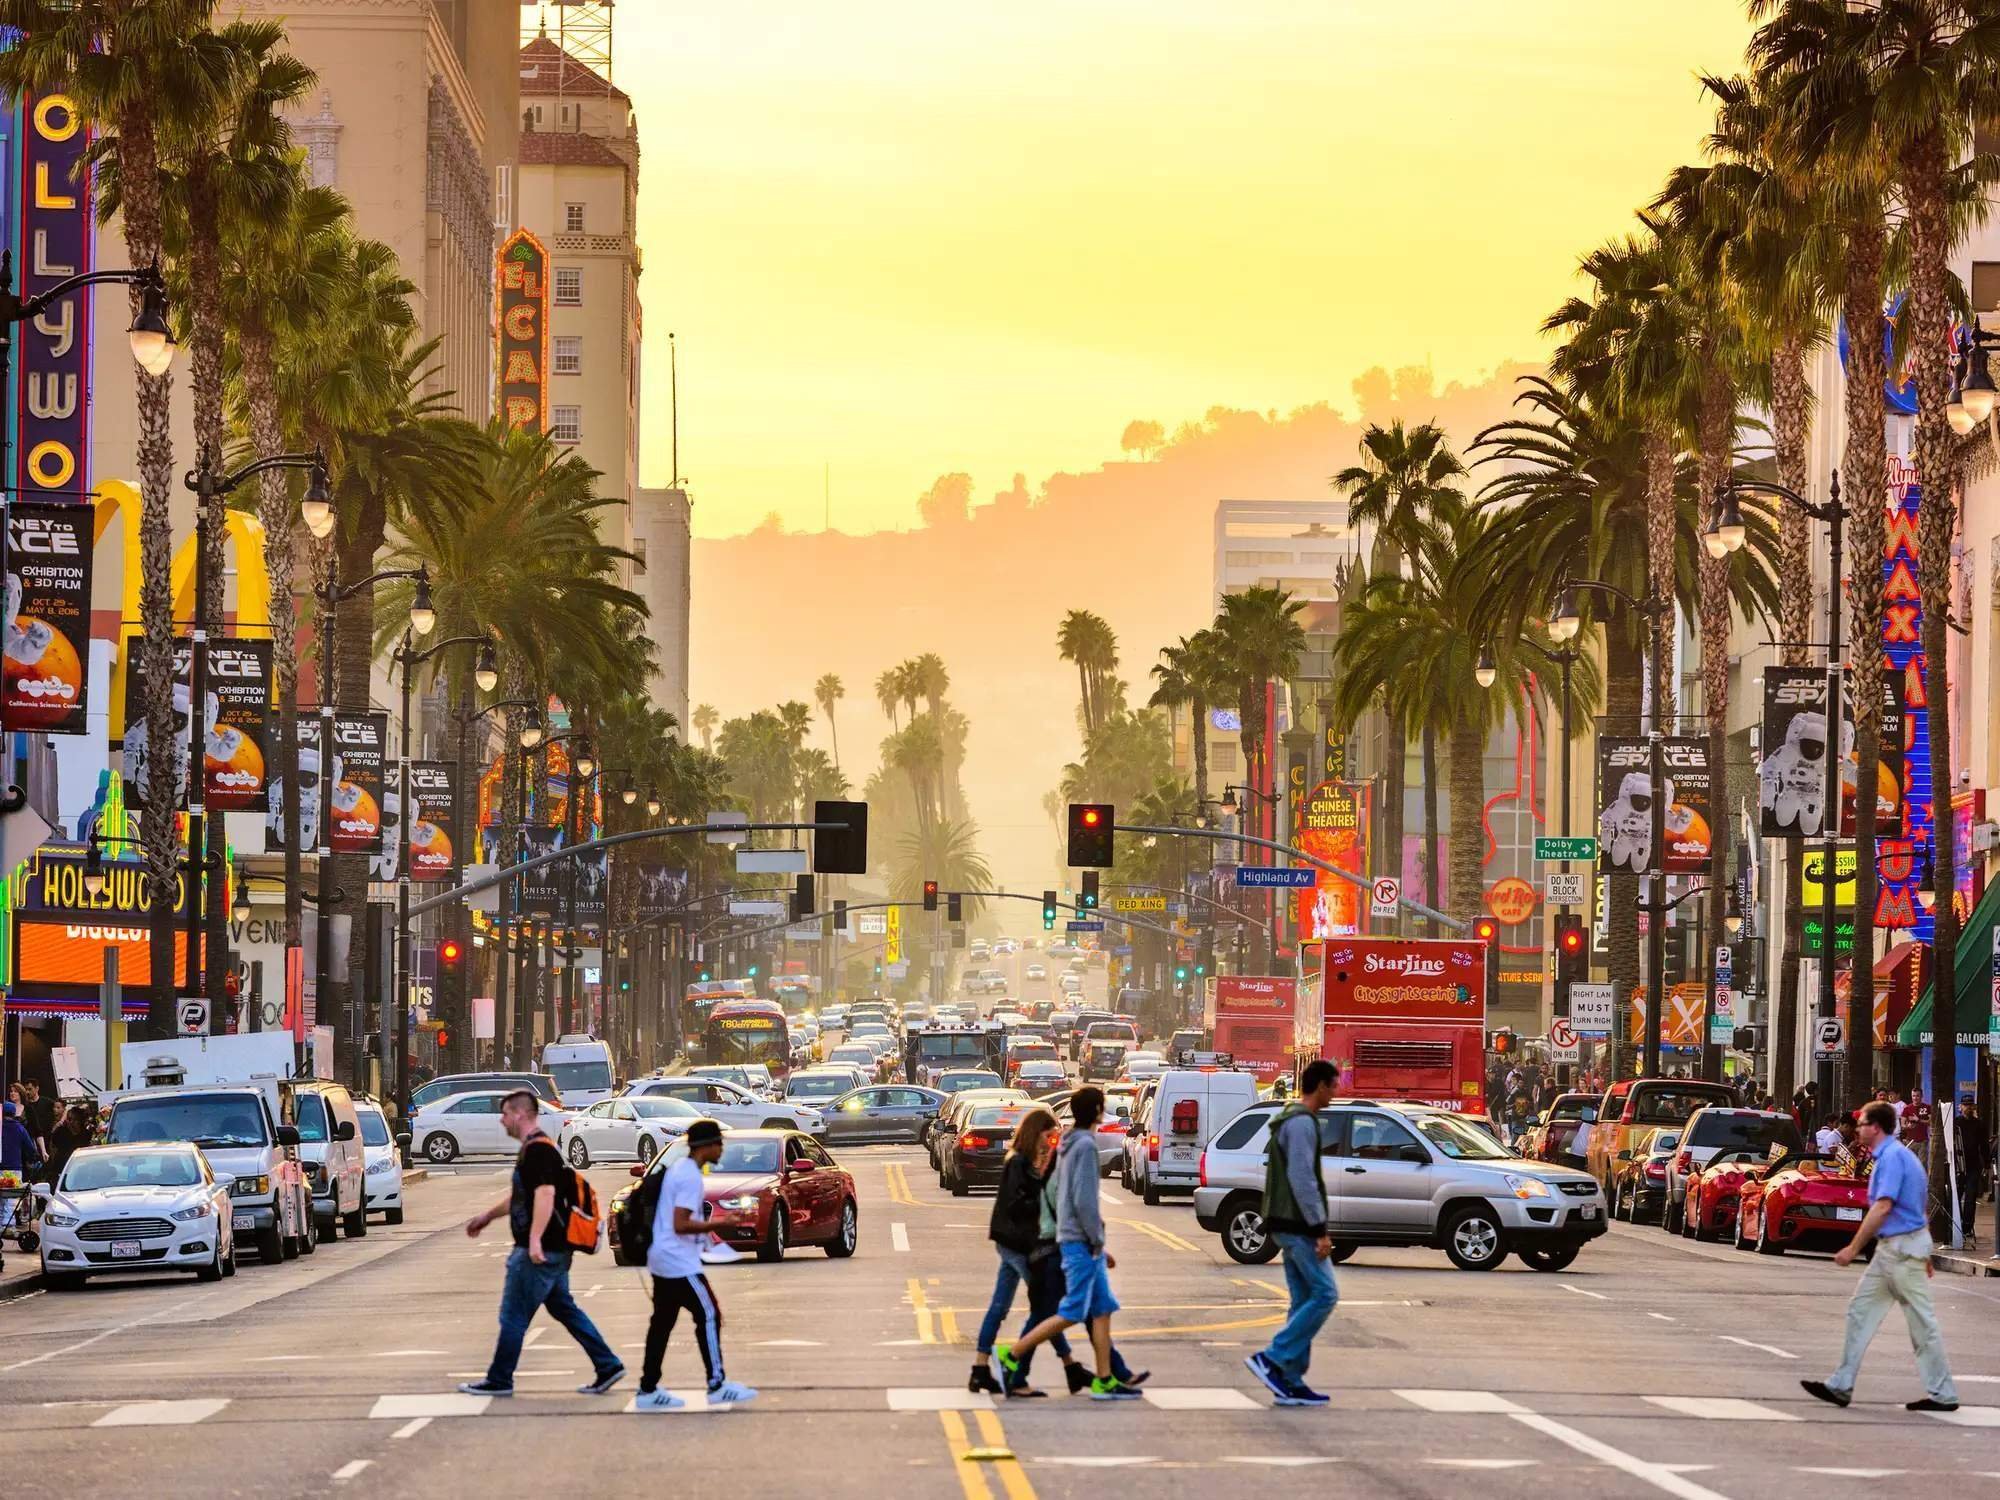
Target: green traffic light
[
  {"x": 705, "y": 976},
  {"x": 1180, "y": 971},
  {"x": 753, "y": 971}
]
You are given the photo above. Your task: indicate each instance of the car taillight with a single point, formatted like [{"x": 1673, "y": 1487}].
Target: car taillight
[
  {"x": 1152, "y": 1148},
  {"x": 1657, "y": 1169},
  {"x": 1203, "y": 1179},
  {"x": 1684, "y": 1162},
  {"x": 972, "y": 1142}
]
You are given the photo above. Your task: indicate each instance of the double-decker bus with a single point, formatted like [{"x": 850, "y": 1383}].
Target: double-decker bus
[{"x": 748, "y": 1031}]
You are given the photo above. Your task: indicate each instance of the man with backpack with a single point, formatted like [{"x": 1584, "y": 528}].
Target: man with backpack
[
  {"x": 1295, "y": 1212},
  {"x": 538, "y": 1208},
  {"x": 675, "y": 1210}
]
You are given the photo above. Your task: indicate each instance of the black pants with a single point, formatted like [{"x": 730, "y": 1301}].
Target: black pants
[{"x": 670, "y": 1295}]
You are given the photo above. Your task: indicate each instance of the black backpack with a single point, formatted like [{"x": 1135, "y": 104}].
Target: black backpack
[{"x": 636, "y": 1215}]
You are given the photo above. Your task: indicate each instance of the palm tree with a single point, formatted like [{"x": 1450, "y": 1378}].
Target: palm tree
[
  {"x": 757, "y": 752},
  {"x": 888, "y": 693},
  {"x": 1087, "y": 640},
  {"x": 827, "y": 692},
  {"x": 704, "y": 719},
  {"x": 946, "y": 851},
  {"x": 931, "y": 679},
  {"x": 1261, "y": 639}
]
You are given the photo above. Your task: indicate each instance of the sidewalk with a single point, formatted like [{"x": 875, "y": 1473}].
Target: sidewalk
[
  {"x": 22, "y": 1273},
  {"x": 1981, "y": 1257}
]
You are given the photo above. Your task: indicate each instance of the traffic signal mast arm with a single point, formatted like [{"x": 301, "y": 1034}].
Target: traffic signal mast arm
[{"x": 1109, "y": 916}]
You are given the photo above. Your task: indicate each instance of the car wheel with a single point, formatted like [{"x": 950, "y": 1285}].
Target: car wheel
[
  {"x": 773, "y": 1247},
  {"x": 1549, "y": 1260},
  {"x": 440, "y": 1148},
  {"x": 1670, "y": 1220},
  {"x": 212, "y": 1271},
  {"x": 328, "y": 1228},
  {"x": 1342, "y": 1249},
  {"x": 1742, "y": 1240},
  {"x": 1474, "y": 1238},
  {"x": 1150, "y": 1194},
  {"x": 1765, "y": 1244},
  {"x": 309, "y": 1236},
  {"x": 355, "y": 1225},
  {"x": 648, "y": 1149},
  {"x": 229, "y": 1264},
  {"x": 1244, "y": 1236},
  {"x": 579, "y": 1154},
  {"x": 842, "y": 1244},
  {"x": 392, "y": 1215},
  {"x": 1699, "y": 1219},
  {"x": 270, "y": 1245},
  {"x": 776, "y": 1124},
  {"x": 62, "y": 1281},
  {"x": 959, "y": 1186}
]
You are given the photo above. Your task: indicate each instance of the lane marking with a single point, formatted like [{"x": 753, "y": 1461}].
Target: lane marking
[
  {"x": 410, "y": 1428},
  {"x": 998, "y": 1457},
  {"x": 1969, "y": 1416},
  {"x": 1730, "y": 1338},
  {"x": 1661, "y": 1316},
  {"x": 1581, "y": 1292},
  {"x": 1483, "y": 1463},
  {"x": 1280, "y": 1460},
  {"x": 1855, "y": 1473},
  {"x": 1108, "y": 1461},
  {"x": 1721, "y": 1408},
  {"x": 1660, "y": 1476},
  {"x": 899, "y": 1238},
  {"x": 1199, "y": 1398},
  {"x": 98, "y": 1338},
  {"x": 428, "y": 1404},
  {"x": 351, "y": 1468},
  {"x": 1165, "y": 1237},
  {"x": 936, "y": 1398},
  {"x": 1272, "y": 1321},
  {"x": 401, "y": 1353},
  {"x": 1459, "y": 1402},
  {"x": 789, "y": 1344},
  {"x": 160, "y": 1413},
  {"x": 534, "y": 1337},
  {"x": 279, "y": 1359},
  {"x": 926, "y": 1334},
  {"x": 959, "y": 1442}
]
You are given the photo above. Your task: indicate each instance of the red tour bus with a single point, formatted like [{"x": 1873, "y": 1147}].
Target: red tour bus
[
  {"x": 1252, "y": 1018},
  {"x": 1403, "y": 1020}
]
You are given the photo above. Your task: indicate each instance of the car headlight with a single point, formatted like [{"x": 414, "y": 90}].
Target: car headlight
[
  {"x": 189, "y": 1215},
  {"x": 249, "y": 1187},
  {"x": 1527, "y": 1187},
  {"x": 741, "y": 1203},
  {"x": 60, "y": 1221},
  {"x": 377, "y": 1167}
]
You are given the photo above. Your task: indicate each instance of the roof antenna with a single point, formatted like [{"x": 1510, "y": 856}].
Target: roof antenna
[{"x": 674, "y": 401}]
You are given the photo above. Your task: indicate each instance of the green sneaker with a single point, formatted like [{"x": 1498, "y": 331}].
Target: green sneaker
[
  {"x": 1005, "y": 1354},
  {"x": 1113, "y": 1389}
]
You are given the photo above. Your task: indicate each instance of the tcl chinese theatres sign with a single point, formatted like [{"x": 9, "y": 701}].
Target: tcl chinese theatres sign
[{"x": 523, "y": 324}]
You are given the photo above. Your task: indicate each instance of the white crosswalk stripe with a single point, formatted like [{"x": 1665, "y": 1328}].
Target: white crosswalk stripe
[
  {"x": 160, "y": 1413},
  {"x": 1199, "y": 1398},
  {"x": 428, "y": 1404},
  {"x": 1721, "y": 1409}
]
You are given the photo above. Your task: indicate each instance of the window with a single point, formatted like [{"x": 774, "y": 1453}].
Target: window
[
  {"x": 503, "y": 197},
  {"x": 573, "y": 218},
  {"x": 569, "y": 354},
  {"x": 1222, "y": 756},
  {"x": 477, "y": 1104},
  {"x": 567, "y": 424},
  {"x": 1377, "y": 1137},
  {"x": 1985, "y": 286},
  {"x": 569, "y": 286},
  {"x": 639, "y": 557}
]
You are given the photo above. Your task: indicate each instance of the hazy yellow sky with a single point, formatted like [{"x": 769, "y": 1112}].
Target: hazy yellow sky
[{"x": 906, "y": 238}]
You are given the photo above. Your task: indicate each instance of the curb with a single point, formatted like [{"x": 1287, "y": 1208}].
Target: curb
[
  {"x": 20, "y": 1286},
  {"x": 1963, "y": 1265},
  {"x": 415, "y": 1174}
]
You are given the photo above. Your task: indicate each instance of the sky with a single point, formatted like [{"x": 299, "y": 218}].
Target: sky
[{"x": 898, "y": 239}]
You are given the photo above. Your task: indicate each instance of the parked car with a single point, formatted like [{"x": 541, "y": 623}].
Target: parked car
[
  {"x": 1639, "y": 1177},
  {"x": 154, "y": 1207},
  {"x": 774, "y": 1189},
  {"x": 1405, "y": 1174},
  {"x": 1633, "y": 1107},
  {"x": 1800, "y": 1202},
  {"x": 1712, "y": 1191},
  {"x": 1178, "y": 1114},
  {"x": 625, "y": 1128},
  {"x": 384, "y": 1163},
  {"x": 334, "y": 1157},
  {"x": 975, "y": 1151},
  {"x": 1557, "y": 1130},
  {"x": 885, "y": 1112},
  {"x": 470, "y": 1125},
  {"x": 1716, "y": 1128},
  {"x": 478, "y": 1083}
]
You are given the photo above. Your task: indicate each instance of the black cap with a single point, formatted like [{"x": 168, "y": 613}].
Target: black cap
[{"x": 704, "y": 1133}]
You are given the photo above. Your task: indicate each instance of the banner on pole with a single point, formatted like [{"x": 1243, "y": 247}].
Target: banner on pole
[
  {"x": 434, "y": 833},
  {"x": 48, "y": 618}
]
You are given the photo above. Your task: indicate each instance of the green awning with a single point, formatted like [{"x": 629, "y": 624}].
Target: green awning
[{"x": 1974, "y": 977}]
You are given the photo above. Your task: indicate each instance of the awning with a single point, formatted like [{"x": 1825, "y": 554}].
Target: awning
[
  {"x": 1973, "y": 975},
  {"x": 1900, "y": 977}
]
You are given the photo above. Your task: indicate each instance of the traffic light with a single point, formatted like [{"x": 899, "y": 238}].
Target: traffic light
[
  {"x": 1746, "y": 1039},
  {"x": 1487, "y": 930},
  {"x": 802, "y": 898},
  {"x": 1572, "y": 949},
  {"x": 751, "y": 972},
  {"x": 450, "y": 952},
  {"x": 1089, "y": 901},
  {"x": 954, "y": 907},
  {"x": 840, "y": 916},
  {"x": 1180, "y": 973},
  {"x": 704, "y": 976},
  {"x": 1090, "y": 834},
  {"x": 1504, "y": 1043},
  {"x": 930, "y": 895},
  {"x": 443, "y": 1038},
  {"x": 841, "y": 851},
  {"x": 1048, "y": 910}
]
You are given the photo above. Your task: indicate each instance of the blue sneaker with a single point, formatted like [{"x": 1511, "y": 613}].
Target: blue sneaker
[
  {"x": 1304, "y": 1395},
  {"x": 1274, "y": 1379}
]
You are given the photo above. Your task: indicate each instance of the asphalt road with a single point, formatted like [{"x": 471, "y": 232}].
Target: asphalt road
[{"x": 1649, "y": 1367}]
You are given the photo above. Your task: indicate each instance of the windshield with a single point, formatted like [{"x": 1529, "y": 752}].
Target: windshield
[
  {"x": 737, "y": 1155},
  {"x": 205, "y": 1119},
  {"x": 864, "y": 1055},
  {"x": 953, "y": 1083},
  {"x": 312, "y": 1118},
  {"x": 581, "y": 1077},
  {"x": 1458, "y": 1140},
  {"x": 87, "y": 1172},
  {"x": 935, "y": 1046},
  {"x": 1670, "y": 1104},
  {"x": 995, "y": 1114},
  {"x": 374, "y": 1129},
  {"x": 1756, "y": 1133},
  {"x": 653, "y": 1106},
  {"x": 728, "y": 1075},
  {"x": 747, "y": 1039},
  {"x": 817, "y": 1086}
]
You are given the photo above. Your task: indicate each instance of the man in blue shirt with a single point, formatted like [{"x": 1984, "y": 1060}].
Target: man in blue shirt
[{"x": 1899, "y": 1202}]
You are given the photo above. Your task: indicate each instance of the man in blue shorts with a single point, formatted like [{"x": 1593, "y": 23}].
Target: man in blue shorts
[{"x": 1080, "y": 1238}]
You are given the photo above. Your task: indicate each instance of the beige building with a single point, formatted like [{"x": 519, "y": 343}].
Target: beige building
[{"x": 662, "y": 535}]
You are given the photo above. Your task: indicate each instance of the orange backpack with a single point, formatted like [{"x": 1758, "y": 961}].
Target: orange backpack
[{"x": 584, "y": 1228}]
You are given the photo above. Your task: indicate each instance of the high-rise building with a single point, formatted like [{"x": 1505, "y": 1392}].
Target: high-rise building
[{"x": 662, "y": 536}]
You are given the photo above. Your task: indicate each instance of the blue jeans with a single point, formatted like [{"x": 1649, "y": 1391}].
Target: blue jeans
[
  {"x": 529, "y": 1288},
  {"x": 1015, "y": 1272},
  {"x": 1313, "y": 1296}
]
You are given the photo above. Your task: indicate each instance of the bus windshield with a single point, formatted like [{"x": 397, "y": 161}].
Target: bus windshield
[{"x": 757, "y": 1037}]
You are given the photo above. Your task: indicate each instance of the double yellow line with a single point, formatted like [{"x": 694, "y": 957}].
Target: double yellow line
[
  {"x": 990, "y": 1455},
  {"x": 1164, "y": 1236},
  {"x": 935, "y": 1325},
  {"x": 899, "y": 1185}
]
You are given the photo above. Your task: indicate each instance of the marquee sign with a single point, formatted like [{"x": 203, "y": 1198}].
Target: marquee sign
[
  {"x": 1899, "y": 870},
  {"x": 61, "y": 930},
  {"x": 522, "y": 328},
  {"x": 52, "y": 409}
]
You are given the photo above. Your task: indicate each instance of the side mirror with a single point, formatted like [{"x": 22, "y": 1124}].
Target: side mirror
[
  {"x": 44, "y": 1192},
  {"x": 225, "y": 1181},
  {"x": 801, "y": 1168},
  {"x": 344, "y": 1131},
  {"x": 638, "y": 1169},
  {"x": 1625, "y": 1156},
  {"x": 1414, "y": 1154},
  {"x": 288, "y": 1135}
]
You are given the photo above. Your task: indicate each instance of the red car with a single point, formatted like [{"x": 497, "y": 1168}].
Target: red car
[
  {"x": 1715, "y": 1190},
  {"x": 1800, "y": 1203},
  {"x": 1554, "y": 1138},
  {"x": 779, "y": 1187}
]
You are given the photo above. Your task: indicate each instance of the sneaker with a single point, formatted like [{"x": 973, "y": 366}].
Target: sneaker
[
  {"x": 1113, "y": 1389},
  {"x": 1930, "y": 1403},
  {"x": 1826, "y": 1392},
  {"x": 1010, "y": 1367},
  {"x": 1259, "y": 1364},
  {"x": 484, "y": 1388},
  {"x": 661, "y": 1400},
  {"x": 729, "y": 1393},
  {"x": 603, "y": 1382},
  {"x": 1136, "y": 1377},
  {"x": 1305, "y": 1395}
]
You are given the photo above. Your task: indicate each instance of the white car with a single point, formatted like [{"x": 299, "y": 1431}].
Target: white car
[
  {"x": 735, "y": 1107},
  {"x": 853, "y": 1054},
  {"x": 755, "y": 1077},
  {"x": 382, "y": 1186},
  {"x": 470, "y": 1125},
  {"x": 156, "y": 1207},
  {"x": 1008, "y": 1019},
  {"x": 1035, "y": 970},
  {"x": 1069, "y": 983},
  {"x": 1140, "y": 1066},
  {"x": 627, "y": 1128}
]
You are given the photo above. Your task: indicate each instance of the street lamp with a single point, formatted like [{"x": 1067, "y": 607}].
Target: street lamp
[
  {"x": 487, "y": 673},
  {"x": 653, "y": 803},
  {"x": 240, "y": 907},
  {"x": 532, "y": 729},
  {"x": 1486, "y": 673}
]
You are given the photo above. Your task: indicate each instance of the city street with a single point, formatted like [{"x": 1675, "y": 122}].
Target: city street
[{"x": 1650, "y": 1366}]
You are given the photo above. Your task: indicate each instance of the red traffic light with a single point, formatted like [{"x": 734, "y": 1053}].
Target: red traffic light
[
  {"x": 450, "y": 951},
  {"x": 1486, "y": 929},
  {"x": 1570, "y": 939},
  {"x": 1091, "y": 817}
]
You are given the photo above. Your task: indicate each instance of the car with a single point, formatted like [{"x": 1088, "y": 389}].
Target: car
[
  {"x": 1062, "y": 950},
  {"x": 773, "y": 1189},
  {"x": 1186, "y": 1040},
  {"x": 862, "y": 1058},
  {"x": 915, "y": 1015},
  {"x": 1113, "y": 1129},
  {"x": 1007, "y": 1020},
  {"x": 1080, "y": 1023},
  {"x": 955, "y": 1110},
  {"x": 470, "y": 1125},
  {"x": 1633, "y": 1107},
  {"x": 445, "y": 1086},
  {"x": 1559, "y": 1128},
  {"x": 384, "y": 1169},
  {"x": 833, "y": 1017},
  {"x": 818, "y": 1087},
  {"x": 153, "y": 1207},
  {"x": 1407, "y": 1175},
  {"x": 1034, "y": 970},
  {"x": 978, "y": 951},
  {"x": 1712, "y": 1193},
  {"x": 1141, "y": 1066},
  {"x": 1027, "y": 1051},
  {"x": 735, "y": 1107},
  {"x": 1070, "y": 984},
  {"x": 1716, "y": 1128},
  {"x": 242, "y": 1139},
  {"x": 883, "y": 1112},
  {"x": 625, "y": 1128},
  {"x": 1041, "y": 1078},
  {"x": 1103, "y": 1059},
  {"x": 973, "y": 1154},
  {"x": 1006, "y": 945},
  {"x": 1639, "y": 1177},
  {"x": 958, "y": 1080},
  {"x": 757, "y": 1081},
  {"x": 1062, "y": 1027},
  {"x": 581, "y": 1066},
  {"x": 1800, "y": 1202},
  {"x": 1181, "y": 1111},
  {"x": 333, "y": 1156}
]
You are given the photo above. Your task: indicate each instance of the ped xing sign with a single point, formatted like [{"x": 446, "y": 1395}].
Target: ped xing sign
[
  {"x": 1139, "y": 903},
  {"x": 1281, "y": 877}
]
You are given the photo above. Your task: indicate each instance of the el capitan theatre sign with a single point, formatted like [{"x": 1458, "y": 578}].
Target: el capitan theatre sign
[
  {"x": 523, "y": 323},
  {"x": 61, "y": 931}
]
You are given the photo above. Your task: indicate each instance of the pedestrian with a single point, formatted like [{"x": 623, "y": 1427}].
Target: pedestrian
[
  {"x": 1015, "y": 1229},
  {"x": 1915, "y": 1123},
  {"x": 537, "y": 1210},
  {"x": 1827, "y": 1140},
  {"x": 1899, "y": 1198},
  {"x": 38, "y": 1113},
  {"x": 19, "y": 1155},
  {"x": 1975, "y": 1155},
  {"x": 73, "y": 1133},
  {"x": 680, "y": 1230},
  {"x": 1295, "y": 1212},
  {"x": 1087, "y": 1295}
]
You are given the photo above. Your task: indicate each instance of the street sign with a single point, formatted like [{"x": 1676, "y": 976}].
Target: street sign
[
  {"x": 1383, "y": 894},
  {"x": 757, "y": 908},
  {"x": 193, "y": 1012},
  {"x": 893, "y": 950},
  {"x": 1590, "y": 1007},
  {"x": 1722, "y": 1020},
  {"x": 1084, "y": 925},
  {"x": 1555, "y": 850},
  {"x": 871, "y": 923},
  {"x": 1264, "y": 876},
  {"x": 727, "y": 818},
  {"x": 1139, "y": 903},
  {"x": 1829, "y": 1039},
  {"x": 1565, "y": 887},
  {"x": 1562, "y": 1042}
]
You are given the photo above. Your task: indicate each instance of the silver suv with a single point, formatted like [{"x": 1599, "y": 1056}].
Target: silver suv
[{"x": 1403, "y": 1174}]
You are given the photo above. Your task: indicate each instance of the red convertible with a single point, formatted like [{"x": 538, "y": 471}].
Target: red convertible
[
  {"x": 1715, "y": 1192},
  {"x": 1800, "y": 1203}
]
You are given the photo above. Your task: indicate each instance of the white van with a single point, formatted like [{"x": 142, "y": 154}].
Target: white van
[
  {"x": 581, "y": 1067},
  {"x": 1185, "y": 1108}
]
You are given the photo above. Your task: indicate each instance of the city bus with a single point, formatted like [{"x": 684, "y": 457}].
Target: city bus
[
  {"x": 748, "y": 1031},
  {"x": 702, "y": 997}
]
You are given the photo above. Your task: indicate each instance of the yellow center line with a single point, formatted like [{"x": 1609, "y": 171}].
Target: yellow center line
[
  {"x": 1160, "y": 1236},
  {"x": 920, "y": 1305},
  {"x": 970, "y": 1476},
  {"x": 1012, "y": 1479},
  {"x": 1126, "y": 1331}
]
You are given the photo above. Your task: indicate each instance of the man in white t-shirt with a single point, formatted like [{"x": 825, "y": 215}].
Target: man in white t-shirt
[
  {"x": 680, "y": 1230},
  {"x": 1828, "y": 1139}
]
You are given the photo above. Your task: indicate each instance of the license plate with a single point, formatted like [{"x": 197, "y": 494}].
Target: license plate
[
  {"x": 124, "y": 1249},
  {"x": 1847, "y": 1213},
  {"x": 1588, "y": 1211},
  {"x": 240, "y": 1221},
  {"x": 1182, "y": 1153}
]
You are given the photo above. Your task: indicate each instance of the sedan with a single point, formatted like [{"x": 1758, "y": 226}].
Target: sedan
[
  {"x": 1070, "y": 984},
  {"x": 974, "y": 1153},
  {"x": 382, "y": 1181},
  {"x": 1140, "y": 1066},
  {"x": 469, "y": 1125},
  {"x": 818, "y": 1087},
  {"x": 1041, "y": 1079},
  {"x": 853, "y": 1054},
  {"x": 769, "y": 1190},
  {"x": 958, "y": 1080},
  {"x": 1639, "y": 1178},
  {"x": 1801, "y": 1203},
  {"x": 156, "y": 1207},
  {"x": 1035, "y": 969},
  {"x": 625, "y": 1128},
  {"x": 1114, "y": 1128},
  {"x": 899, "y": 1112}
]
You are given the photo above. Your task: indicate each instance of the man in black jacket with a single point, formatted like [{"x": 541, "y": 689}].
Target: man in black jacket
[{"x": 1295, "y": 1211}]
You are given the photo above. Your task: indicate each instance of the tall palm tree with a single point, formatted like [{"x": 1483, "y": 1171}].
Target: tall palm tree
[
  {"x": 1177, "y": 686},
  {"x": 1262, "y": 640},
  {"x": 827, "y": 692},
  {"x": 1087, "y": 640},
  {"x": 705, "y": 719},
  {"x": 888, "y": 693},
  {"x": 946, "y": 851},
  {"x": 930, "y": 678}
]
